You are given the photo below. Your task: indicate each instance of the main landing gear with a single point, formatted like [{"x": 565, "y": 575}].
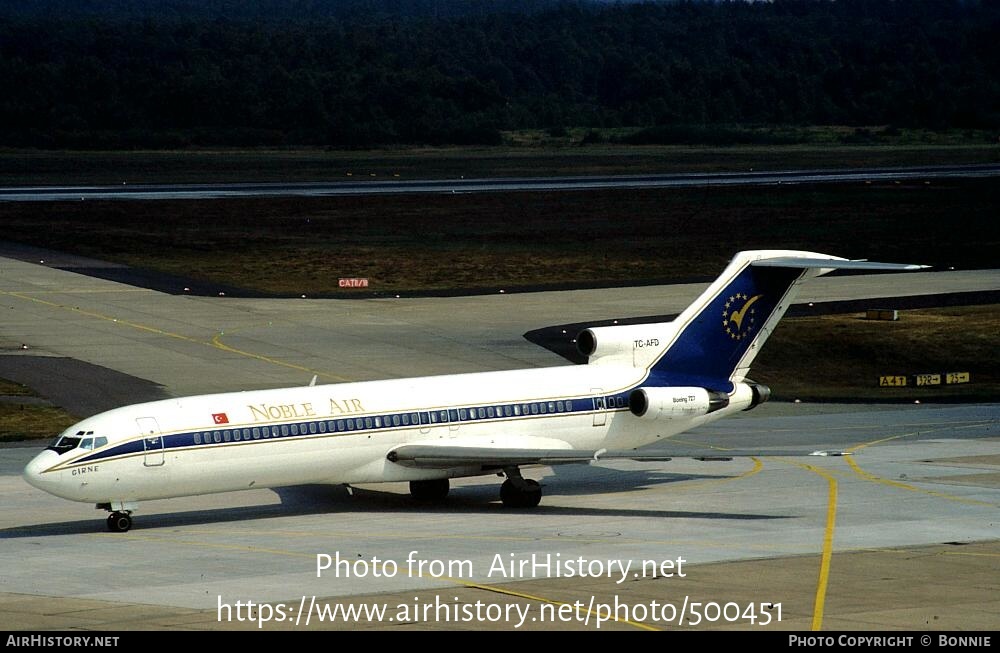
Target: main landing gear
[
  {"x": 516, "y": 491},
  {"x": 119, "y": 521},
  {"x": 519, "y": 492}
]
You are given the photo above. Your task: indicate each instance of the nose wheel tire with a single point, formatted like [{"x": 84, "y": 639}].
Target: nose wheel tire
[{"x": 119, "y": 522}]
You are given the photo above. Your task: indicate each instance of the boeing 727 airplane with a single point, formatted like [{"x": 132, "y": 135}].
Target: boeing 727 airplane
[{"x": 642, "y": 383}]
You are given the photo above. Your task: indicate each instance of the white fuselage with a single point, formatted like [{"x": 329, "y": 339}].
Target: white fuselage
[
  {"x": 341, "y": 433},
  {"x": 691, "y": 370}
]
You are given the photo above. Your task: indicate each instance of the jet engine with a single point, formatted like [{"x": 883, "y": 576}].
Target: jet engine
[
  {"x": 760, "y": 393},
  {"x": 671, "y": 403},
  {"x": 632, "y": 343}
]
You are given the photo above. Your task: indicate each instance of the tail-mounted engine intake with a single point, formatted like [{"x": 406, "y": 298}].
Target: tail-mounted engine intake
[
  {"x": 671, "y": 403},
  {"x": 632, "y": 344}
]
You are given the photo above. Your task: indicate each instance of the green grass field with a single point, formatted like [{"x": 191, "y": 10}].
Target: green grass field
[
  {"x": 491, "y": 241},
  {"x": 12, "y": 389},
  {"x": 528, "y": 154},
  {"x": 841, "y": 357},
  {"x": 29, "y": 422}
]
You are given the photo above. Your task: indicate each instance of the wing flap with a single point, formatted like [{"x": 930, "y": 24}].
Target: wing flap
[{"x": 436, "y": 456}]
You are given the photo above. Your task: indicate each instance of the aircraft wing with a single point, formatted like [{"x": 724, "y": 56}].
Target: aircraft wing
[
  {"x": 438, "y": 456},
  {"x": 435, "y": 456}
]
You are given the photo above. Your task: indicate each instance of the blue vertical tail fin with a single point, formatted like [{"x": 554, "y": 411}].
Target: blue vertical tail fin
[{"x": 717, "y": 337}]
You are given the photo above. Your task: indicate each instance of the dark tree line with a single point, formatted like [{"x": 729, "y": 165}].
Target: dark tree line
[{"x": 163, "y": 74}]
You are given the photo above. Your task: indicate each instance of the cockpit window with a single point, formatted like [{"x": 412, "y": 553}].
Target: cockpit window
[
  {"x": 64, "y": 443},
  {"x": 81, "y": 439}
]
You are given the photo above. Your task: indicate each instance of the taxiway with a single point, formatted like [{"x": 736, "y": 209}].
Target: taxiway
[{"x": 903, "y": 534}]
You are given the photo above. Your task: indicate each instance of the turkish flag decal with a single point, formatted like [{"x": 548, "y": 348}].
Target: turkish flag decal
[{"x": 220, "y": 418}]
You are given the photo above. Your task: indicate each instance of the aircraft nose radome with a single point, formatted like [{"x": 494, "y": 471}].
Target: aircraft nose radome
[{"x": 33, "y": 470}]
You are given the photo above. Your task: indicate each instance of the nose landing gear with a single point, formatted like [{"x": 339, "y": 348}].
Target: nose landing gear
[{"x": 119, "y": 521}]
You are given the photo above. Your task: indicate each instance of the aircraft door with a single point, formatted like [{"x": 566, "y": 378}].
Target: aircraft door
[
  {"x": 152, "y": 441},
  {"x": 600, "y": 407}
]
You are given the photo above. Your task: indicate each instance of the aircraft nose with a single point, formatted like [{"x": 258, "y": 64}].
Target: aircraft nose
[{"x": 33, "y": 471}]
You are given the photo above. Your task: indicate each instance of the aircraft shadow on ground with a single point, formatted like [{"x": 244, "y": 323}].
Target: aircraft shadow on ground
[
  {"x": 571, "y": 480},
  {"x": 483, "y": 499}
]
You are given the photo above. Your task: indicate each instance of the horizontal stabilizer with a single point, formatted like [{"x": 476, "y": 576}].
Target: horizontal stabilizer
[{"x": 835, "y": 263}]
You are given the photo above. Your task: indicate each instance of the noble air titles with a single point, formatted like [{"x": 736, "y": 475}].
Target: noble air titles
[{"x": 337, "y": 407}]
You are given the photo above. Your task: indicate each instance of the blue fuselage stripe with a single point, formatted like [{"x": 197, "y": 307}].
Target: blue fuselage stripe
[{"x": 343, "y": 425}]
